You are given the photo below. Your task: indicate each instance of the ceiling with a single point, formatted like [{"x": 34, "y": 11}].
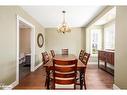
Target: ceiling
[
  {"x": 109, "y": 16},
  {"x": 51, "y": 16}
]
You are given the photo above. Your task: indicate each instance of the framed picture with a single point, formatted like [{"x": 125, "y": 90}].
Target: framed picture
[{"x": 40, "y": 40}]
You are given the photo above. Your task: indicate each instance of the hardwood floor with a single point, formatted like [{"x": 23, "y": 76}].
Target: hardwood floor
[
  {"x": 23, "y": 70},
  {"x": 98, "y": 79},
  {"x": 95, "y": 79},
  {"x": 34, "y": 80}
]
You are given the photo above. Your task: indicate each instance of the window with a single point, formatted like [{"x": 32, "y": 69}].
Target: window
[
  {"x": 95, "y": 40},
  {"x": 109, "y": 37}
]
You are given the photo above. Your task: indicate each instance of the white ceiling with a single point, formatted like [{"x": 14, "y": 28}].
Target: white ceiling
[
  {"x": 109, "y": 16},
  {"x": 51, "y": 16}
]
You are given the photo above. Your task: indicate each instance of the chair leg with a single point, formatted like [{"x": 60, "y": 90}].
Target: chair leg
[
  {"x": 74, "y": 86},
  {"x": 84, "y": 82}
]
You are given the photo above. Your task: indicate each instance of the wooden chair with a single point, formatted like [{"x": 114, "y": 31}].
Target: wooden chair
[
  {"x": 65, "y": 51},
  {"x": 52, "y": 53},
  {"x": 45, "y": 59},
  {"x": 85, "y": 61},
  {"x": 85, "y": 58},
  {"x": 64, "y": 72},
  {"x": 82, "y": 52}
]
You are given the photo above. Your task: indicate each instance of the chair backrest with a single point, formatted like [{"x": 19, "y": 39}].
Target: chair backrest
[
  {"x": 65, "y": 51},
  {"x": 64, "y": 72},
  {"x": 52, "y": 53},
  {"x": 85, "y": 58},
  {"x": 45, "y": 57},
  {"x": 82, "y": 53}
]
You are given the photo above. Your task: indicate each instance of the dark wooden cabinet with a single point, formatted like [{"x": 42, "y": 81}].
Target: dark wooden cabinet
[
  {"x": 108, "y": 58},
  {"x": 101, "y": 55}
]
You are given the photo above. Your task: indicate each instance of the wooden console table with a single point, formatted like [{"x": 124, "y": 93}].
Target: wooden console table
[{"x": 108, "y": 58}]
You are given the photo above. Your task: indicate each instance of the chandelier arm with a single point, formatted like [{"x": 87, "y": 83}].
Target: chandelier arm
[{"x": 63, "y": 17}]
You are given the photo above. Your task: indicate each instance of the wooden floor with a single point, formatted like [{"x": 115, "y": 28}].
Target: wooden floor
[
  {"x": 24, "y": 69},
  {"x": 95, "y": 79}
]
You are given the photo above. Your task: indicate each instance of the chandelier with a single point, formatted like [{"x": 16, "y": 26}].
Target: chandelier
[{"x": 64, "y": 27}]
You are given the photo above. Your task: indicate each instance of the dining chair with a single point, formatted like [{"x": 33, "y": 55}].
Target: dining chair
[
  {"x": 85, "y": 58},
  {"x": 85, "y": 61},
  {"x": 81, "y": 54},
  {"x": 64, "y": 73},
  {"x": 65, "y": 51},
  {"x": 45, "y": 59},
  {"x": 52, "y": 53}
]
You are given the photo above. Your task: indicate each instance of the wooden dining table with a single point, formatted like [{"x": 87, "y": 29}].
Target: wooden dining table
[{"x": 80, "y": 67}]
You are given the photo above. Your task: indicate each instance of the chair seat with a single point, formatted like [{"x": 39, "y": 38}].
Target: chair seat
[
  {"x": 79, "y": 62},
  {"x": 63, "y": 87}
]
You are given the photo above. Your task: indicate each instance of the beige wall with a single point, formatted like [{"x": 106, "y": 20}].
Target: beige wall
[
  {"x": 74, "y": 40},
  {"x": 8, "y": 41},
  {"x": 109, "y": 23},
  {"x": 24, "y": 46},
  {"x": 121, "y": 47}
]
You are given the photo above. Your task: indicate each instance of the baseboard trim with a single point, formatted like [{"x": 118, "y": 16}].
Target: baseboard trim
[
  {"x": 15, "y": 83},
  {"x": 115, "y": 87},
  {"x": 11, "y": 86},
  {"x": 37, "y": 66}
]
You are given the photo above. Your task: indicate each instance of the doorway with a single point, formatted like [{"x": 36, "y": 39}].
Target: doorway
[{"x": 25, "y": 48}]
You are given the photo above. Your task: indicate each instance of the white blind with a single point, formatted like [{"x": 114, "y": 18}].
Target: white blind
[{"x": 109, "y": 37}]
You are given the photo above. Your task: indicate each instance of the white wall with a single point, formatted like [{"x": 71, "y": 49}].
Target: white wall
[{"x": 74, "y": 40}]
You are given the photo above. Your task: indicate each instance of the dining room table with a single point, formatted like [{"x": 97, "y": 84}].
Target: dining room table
[{"x": 80, "y": 67}]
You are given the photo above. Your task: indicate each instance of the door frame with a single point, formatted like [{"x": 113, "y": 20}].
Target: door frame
[{"x": 32, "y": 66}]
